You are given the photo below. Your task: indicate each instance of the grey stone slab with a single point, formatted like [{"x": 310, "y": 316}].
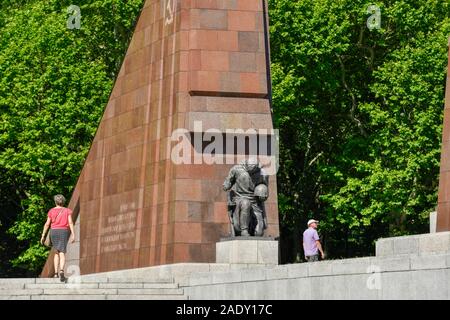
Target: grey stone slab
[
  {"x": 363, "y": 286},
  {"x": 219, "y": 267},
  {"x": 422, "y": 244},
  {"x": 178, "y": 269},
  {"x": 61, "y": 285},
  {"x": 73, "y": 279},
  {"x": 145, "y": 297},
  {"x": 299, "y": 289},
  {"x": 248, "y": 251},
  {"x": 183, "y": 281},
  {"x": 236, "y": 266},
  {"x": 329, "y": 287},
  {"x": 89, "y": 279},
  {"x": 351, "y": 266},
  {"x": 384, "y": 247},
  {"x": 431, "y": 261},
  {"x": 334, "y": 287},
  {"x": 200, "y": 279},
  {"x": 139, "y": 280},
  {"x": 249, "y": 238},
  {"x": 267, "y": 252},
  {"x": 317, "y": 287},
  {"x": 76, "y": 291},
  {"x": 17, "y": 280},
  {"x": 226, "y": 277},
  {"x": 278, "y": 272},
  {"x": 17, "y": 285},
  {"x": 121, "y": 285},
  {"x": 70, "y": 297},
  {"x": 161, "y": 286},
  {"x": 406, "y": 245},
  {"x": 200, "y": 292},
  {"x": 253, "y": 274},
  {"x": 20, "y": 292},
  {"x": 150, "y": 291},
  {"x": 235, "y": 291},
  {"x": 223, "y": 252},
  {"x": 387, "y": 264},
  {"x": 430, "y": 284},
  {"x": 447, "y": 282},
  {"x": 321, "y": 268},
  {"x": 251, "y": 291},
  {"x": 15, "y": 298},
  {"x": 297, "y": 270},
  {"x": 396, "y": 286},
  {"x": 244, "y": 251},
  {"x": 255, "y": 266},
  {"x": 434, "y": 243},
  {"x": 278, "y": 289}
]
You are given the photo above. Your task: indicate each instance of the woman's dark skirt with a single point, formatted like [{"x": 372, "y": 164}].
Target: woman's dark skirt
[{"x": 60, "y": 238}]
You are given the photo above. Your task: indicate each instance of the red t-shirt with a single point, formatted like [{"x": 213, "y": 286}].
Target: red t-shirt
[{"x": 61, "y": 221}]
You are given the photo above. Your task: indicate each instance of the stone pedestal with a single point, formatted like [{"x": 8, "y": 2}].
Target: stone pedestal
[{"x": 247, "y": 250}]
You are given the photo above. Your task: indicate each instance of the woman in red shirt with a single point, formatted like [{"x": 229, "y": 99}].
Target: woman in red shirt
[{"x": 61, "y": 223}]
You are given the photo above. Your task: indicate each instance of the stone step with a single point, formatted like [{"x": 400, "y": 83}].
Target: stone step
[
  {"x": 5, "y": 281},
  {"x": 95, "y": 297},
  {"x": 138, "y": 285},
  {"x": 149, "y": 291},
  {"x": 71, "y": 285},
  {"x": 92, "y": 279},
  {"x": 61, "y": 285},
  {"x": 49, "y": 290},
  {"x": 20, "y": 292},
  {"x": 8, "y": 286},
  {"x": 91, "y": 288},
  {"x": 139, "y": 280},
  {"x": 145, "y": 297},
  {"x": 24, "y": 297},
  {"x": 75, "y": 291},
  {"x": 70, "y": 297}
]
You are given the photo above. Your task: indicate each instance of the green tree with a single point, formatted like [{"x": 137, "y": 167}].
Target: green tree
[
  {"x": 364, "y": 108},
  {"x": 54, "y": 85}
]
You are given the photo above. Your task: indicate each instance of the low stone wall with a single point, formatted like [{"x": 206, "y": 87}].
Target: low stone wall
[
  {"x": 363, "y": 278},
  {"x": 412, "y": 267}
]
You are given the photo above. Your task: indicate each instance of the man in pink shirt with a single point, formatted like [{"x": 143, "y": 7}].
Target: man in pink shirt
[{"x": 311, "y": 242}]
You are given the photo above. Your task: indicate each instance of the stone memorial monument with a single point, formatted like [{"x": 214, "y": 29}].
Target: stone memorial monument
[{"x": 150, "y": 191}]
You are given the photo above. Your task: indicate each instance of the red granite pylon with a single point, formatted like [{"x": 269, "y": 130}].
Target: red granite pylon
[{"x": 188, "y": 60}]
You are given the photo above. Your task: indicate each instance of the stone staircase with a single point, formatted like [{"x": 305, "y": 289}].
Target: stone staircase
[{"x": 90, "y": 288}]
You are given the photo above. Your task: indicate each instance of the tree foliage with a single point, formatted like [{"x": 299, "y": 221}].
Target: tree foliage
[
  {"x": 54, "y": 85},
  {"x": 360, "y": 114}
]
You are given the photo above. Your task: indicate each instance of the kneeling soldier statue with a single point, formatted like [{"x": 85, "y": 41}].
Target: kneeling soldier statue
[{"x": 247, "y": 187}]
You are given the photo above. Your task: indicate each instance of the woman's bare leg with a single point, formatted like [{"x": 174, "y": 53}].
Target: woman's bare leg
[
  {"x": 56, "y": 262},
  {"x": 62, "y": 261}
]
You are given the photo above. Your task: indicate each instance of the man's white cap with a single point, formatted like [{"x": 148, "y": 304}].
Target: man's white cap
[{"x": 311, "y": 221}]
